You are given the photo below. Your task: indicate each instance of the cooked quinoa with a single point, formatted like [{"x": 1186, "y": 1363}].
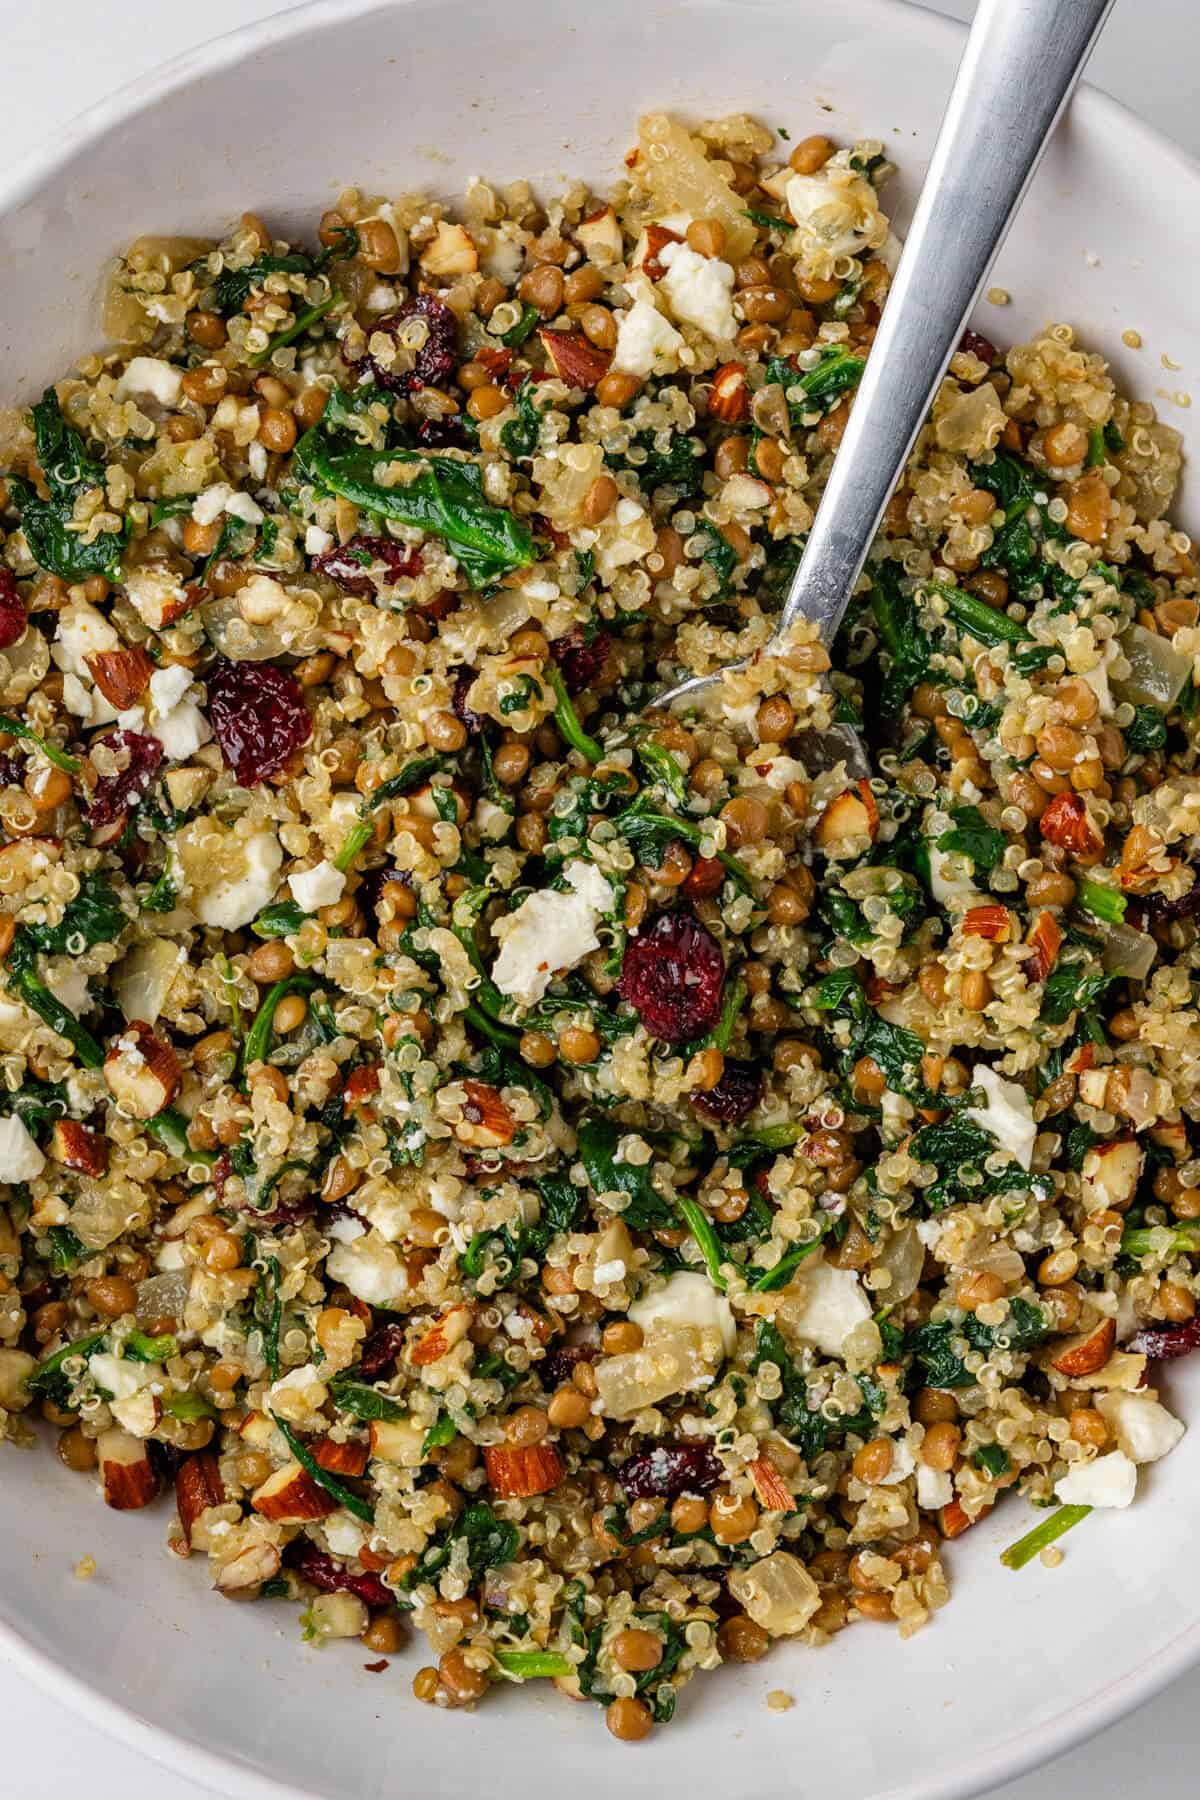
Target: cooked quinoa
[{"x": 584, "y": 1179}]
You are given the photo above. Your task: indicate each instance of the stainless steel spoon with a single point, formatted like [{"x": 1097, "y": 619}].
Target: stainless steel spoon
[{"x": 1021, "y": 62}]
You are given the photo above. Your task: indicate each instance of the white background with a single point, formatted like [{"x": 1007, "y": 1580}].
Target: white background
[{"x": 59, "y": 57}]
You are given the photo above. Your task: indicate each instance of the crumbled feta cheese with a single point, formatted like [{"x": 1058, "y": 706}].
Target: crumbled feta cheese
[
  {"x": 232, "y": 904},
  {"x": 934, "y": 1488},
  {"x": 168, "y": 686},
  {"x": 344, "y": 1535},
  {"x": 688, "y": 1298},
  {"x": 646, "y": 342},
  {"x": 955, "y": 891},
  {"x": 370, "y": 1268},
  {"x": 550, "y": 931},
  {"x": 20, "y": 1158},
  {"x": 1108, "y": 1481},
  {"x": 150, "y": 375},
  {"x": 182, "y": 731},
  {"x": 316, "y": 541},
  {"x": 1007, "y": 1115},
  {"x": 315, "y": 888},
  {"x": 121, "y": 1377},
  {"x": 86, "y": 702},
  {"x": 903, "y": 1464},
  {"x": 256, "y": 457},
  {"x": 156, "y": 594},
  {"x": 836, "y": 212},
  {"x": 303, "y": 1385},
  {"x": 82, "y": 632},
  {"x": 780, "y": 771},
  {"x": 1143, "y": 1428},
  {"x": 831, "y": 1305},
  {"x": 344, "y": 1231},
  {"x": 699, "y": 290},
  {"x": 241, "y": 506},
  {"x": 208, "y": 506}
]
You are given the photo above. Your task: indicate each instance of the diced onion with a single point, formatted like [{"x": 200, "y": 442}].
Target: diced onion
[
  {"x": 1128, "y": 952},
  {"x": 777, "y": 1592},
  {"x": 1157, "y": 673}
]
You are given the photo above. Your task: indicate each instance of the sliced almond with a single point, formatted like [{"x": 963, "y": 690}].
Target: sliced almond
[
  {"x": 774, "y": 1495},
  {"x": 599, "y": 235},
  {"x": 340, "y": 1458},
  {"x": 575, "y": 360},
  {"x": 849, "y": 817},
  {"x": 198, "y": 1486},
  {"x": 1045, "y": 940},
  {"x": 729, "y": 397},
  {"x": 121, "y": 675},
  {"x": 450, "y": 1329},
  {"x": 452, "y": 252},
  {"x": 487, "y": 1123},
  {"x": 514, "y": 1472}
]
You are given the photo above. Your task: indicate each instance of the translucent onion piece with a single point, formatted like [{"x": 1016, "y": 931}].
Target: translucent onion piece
[
  {"x": 1128, "y": 952},
  {"x": 1157, "y": 673},
  {"x": 777, "y": 1592}
]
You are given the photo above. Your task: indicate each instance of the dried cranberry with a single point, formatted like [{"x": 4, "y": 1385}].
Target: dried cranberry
[
  {"x": 333, "y": 1578},
  {"x": 735, "y": 1096},
  {"x": 977, "y": 345},
  {"x": 1163, "y": 1343},
  {"x": 441, "y": 434},
  {"x": 672, "y": 976},
  {"x": 349, "y": 564},
  {"x": 258, "y": 717},
  {"x": 380, "y": 1352},
  {"x": 670, "y": 1470},
  {"x": 115, "y": 794},
  {"x": 12, "y": 610},
  {"x": 556, "y": 1366},
  {"x": 579, "y": 660},
  {"x": 435, "y": 360},
  {"x": 1144, "y": 911},
  {"x": 12, "y": 769},
  {"x": 463, "y": 683}
]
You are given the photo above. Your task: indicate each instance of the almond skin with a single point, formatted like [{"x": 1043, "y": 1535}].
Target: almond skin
[
  {"x": 486, "y": 1122},
  {"x": 78, "y": 1147},
  {"x": 657, "y": 239},
  {"x": 291, "y": 1497},
  {"x": 729, "y": 399},
  {"x": 852, "y": 814},
  {"x": 991, "y": 922},
  {"x": 1065, "y": 822},
  {"x": 249, "y": 1569},
  {"x": 575, "y": 359},
  {"x": 515, "y": 1473},
  {"x": 142, "y": 1071},
  {"x": 121, "y": 675},
  {"x": 198, "y": 1486},
  {"x": 1046, "y": 938},
  {"x": 773, "y": 1493},
  {"x": 340, "y": 1459},
  {"x": 1084, "y": 1354},
  {"x": 126, "y": 1471},
  {"x": 450, "y": 1329},
  {"x": 954, "y": 1521}
]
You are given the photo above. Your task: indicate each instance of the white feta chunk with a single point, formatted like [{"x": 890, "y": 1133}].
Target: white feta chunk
[
  {"x": 150, "y": 375},
  {"x": 231, "y": 904},
  {"x": 687, "y": 1298},
  {"x": 934, "y": 1488},
  {"x": 167, "y": 687},
  {"x": 832, "y": 1304},
  {"x": 82, "y": 632},
  {"x": 1007, "y": 1115},
  {"x": 699, "y": 290},
  {"x": 550, "y": 931},
  {"x": 182, "y": 731},
  {"x": 20, "y": 1158},
  {"x": 121, "y": 1376},
  {"x": 314, "y": 888},
  {"x": 1142, "y": 1426},
  {"x": 646, "y": 342},
  {"x": 316, "y": 541},
  {"x": 344, "y": 1535},
  {"x": 1107, "y": 1481},
  {"x": 370, "y": 1268},
  {"x": 208, "y": 506}
]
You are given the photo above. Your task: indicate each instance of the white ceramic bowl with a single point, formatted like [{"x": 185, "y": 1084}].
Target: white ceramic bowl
[{"x": 277, "y": 118}]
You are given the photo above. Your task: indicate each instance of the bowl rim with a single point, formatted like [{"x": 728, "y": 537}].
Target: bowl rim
[{"x": 1015, "y": 1756}]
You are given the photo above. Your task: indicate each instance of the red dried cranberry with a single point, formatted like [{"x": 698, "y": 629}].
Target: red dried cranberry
[
  {"x": 350, "y": 564},
  {"x": 115, "y": 794},
  {"x": 977, "y": 345},
  {"x": 672, "y": 976},
  {"x": 670, "y": 1470},
  {"x": 441, "y": 434},
  {"x": 463, "y": 683},
  {"x": 12, "y": 610},
  {"x": 556, "y": 1366},
  {"x": 579, "y": 660},
  {"x": 735, "y": 1096},
  {"x": 1144, "y": 911},
  {"x": 435, "y": 360},
  {"x": 12, "y": 769},
  {"x": 333, "y": 1578},
  {"x": 380, "y": 1352},
  {"x": 1163, "y": 1343},
  {"x": 258, "y": 717}
]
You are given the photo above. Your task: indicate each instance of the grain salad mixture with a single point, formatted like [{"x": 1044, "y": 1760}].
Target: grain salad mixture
[{"x": 584, "y": 1182}]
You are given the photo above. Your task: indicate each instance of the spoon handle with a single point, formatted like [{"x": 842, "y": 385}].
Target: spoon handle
[{"x": 1021, "y": 62}]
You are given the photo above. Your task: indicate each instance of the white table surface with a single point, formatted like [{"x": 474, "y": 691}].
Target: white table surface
[{"x": 60, "y": 56}]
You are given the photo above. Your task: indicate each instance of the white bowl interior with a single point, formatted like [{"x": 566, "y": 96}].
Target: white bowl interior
[{"x": 425, "y": 94}]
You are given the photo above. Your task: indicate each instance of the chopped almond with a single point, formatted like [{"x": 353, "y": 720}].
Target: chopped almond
[
  {"x": 340, "y": 1459},
  {"x": 142, "y": 1071},
  {"x": 495, "y": 360},
  {"x": 126, "y": 1471},
  {"x": 291, "y": 1497},
  {"x": 575, "y": 360},
  {"x": 1111, "y": 1173},
  {"x": 773, "y": 1493},
  {"x": 1172, "y": 1135},
  {"x": 486, "y": 1121},
  {"x": 1089, "y": 1351},
  {"x": 249, "y": 1569},
  {"x": 198, "y": 1486},
  {"x": 1066, "y": 823},
  {"x": 991, "y": 922},
  {"x": 515, "y": 1473},
  {"x": 599, "y": 235},
  {"x": 729, "y": 398},
  {"x": 1079, "y": 1060},
  {"x": 121, "y": 675},
  {"x": 1045, "y": 936},
  {"x": 78, "y": 1147},
  {"x": 452, "y": 252},
  {"x": 849, "y": 815},
  {"x": 450, "y": 1329},
  {"x": 953, "y": 1520},
  {"x": 657, "y": 237},
  {"x": 361, "y": 1084}
]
